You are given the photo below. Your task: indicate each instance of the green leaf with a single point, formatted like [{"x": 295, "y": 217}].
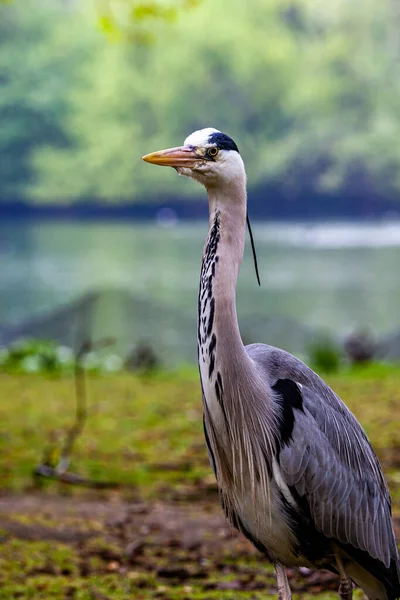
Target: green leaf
[{"x": 107, "y": 25}]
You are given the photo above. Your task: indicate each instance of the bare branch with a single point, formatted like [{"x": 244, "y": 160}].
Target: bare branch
[{"x": 60, "y": 471}]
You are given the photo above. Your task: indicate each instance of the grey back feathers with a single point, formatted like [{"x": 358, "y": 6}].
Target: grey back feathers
[
  {"x": 320, "y": 462},
  {"x": 331, "y": 463}
]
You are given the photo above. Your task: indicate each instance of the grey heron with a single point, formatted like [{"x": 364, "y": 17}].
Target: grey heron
[{"x": 295, "y": 470}]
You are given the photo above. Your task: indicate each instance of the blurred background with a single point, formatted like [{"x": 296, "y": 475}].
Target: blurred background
[
  {"x": 95, "y": 243},
  {"x": 106, "y": 492}
]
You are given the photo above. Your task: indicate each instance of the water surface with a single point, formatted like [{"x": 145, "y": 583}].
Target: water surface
[{"x": 337, "y": 277}]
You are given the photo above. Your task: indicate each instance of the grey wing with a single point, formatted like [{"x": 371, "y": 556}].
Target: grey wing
[
  {"x": 329, "y": 461},
  {"x": 347, "y": 502}
]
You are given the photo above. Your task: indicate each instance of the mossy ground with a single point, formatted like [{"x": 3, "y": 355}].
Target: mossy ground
[{"x": 160, "y": 533}]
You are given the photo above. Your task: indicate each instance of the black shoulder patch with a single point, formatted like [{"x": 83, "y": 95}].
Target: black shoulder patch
[
  {"x": 288, "y": 397},
  {"x": 223, "y": 141}
]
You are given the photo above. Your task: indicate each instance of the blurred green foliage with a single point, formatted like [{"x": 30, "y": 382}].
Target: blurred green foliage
[
  {"x": 308, "y": 89},
  {"x": 325, "y": 355},
  {"x": 134, "y": 20},
  {"x": 46, "y": 357}
]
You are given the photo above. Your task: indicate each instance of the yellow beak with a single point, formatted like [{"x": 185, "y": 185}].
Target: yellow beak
[{"x": 181, "y": 156}]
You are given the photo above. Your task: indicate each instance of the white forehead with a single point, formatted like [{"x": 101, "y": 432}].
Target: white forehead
[{"x": 200, "y": 137}]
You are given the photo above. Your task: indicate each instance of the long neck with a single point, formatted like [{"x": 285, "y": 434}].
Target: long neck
[
  {"x": 235, "y": 396},
  {"x": 219, "y": 342}
]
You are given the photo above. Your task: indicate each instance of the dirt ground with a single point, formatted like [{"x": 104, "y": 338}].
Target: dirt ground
[{"x": 161, "y": 550}]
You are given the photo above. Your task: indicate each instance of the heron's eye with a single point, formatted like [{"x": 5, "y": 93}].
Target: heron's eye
[{"x": 212, "y": 152}]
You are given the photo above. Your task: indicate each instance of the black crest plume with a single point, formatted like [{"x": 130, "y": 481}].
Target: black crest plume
[{"x": 253, "y": 248}]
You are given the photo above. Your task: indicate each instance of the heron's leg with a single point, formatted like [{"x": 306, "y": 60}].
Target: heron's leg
[
  {"x": 345, "y": 585},
  {"x": 284, "y": 592}
]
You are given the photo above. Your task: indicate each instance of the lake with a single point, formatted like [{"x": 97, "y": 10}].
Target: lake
[{"x": 331, "y": 277}]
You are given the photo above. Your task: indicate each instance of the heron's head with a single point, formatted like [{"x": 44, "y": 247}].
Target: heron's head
[{"x": 207, "y": 155}]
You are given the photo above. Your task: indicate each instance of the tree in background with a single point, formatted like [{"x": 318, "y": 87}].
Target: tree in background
[
  {"x": 308, "y": 89},
  {"x": 32, "y": 83}
]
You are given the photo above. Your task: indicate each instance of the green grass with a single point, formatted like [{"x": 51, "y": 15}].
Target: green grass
[
  {"x": 145, "y": 434},
  {"x": 139, "y": 432},
  {"x": 147, "y": 431}
]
